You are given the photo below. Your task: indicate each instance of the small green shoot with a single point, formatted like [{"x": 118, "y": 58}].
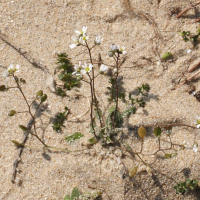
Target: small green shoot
[
  {"x": 59, "y": 120},
  {"x": 183, "y": 187},
  {"x": 75, "y": 136}
]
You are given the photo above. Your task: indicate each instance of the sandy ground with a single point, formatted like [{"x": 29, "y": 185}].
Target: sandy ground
[{"x": 43, "y": 29}]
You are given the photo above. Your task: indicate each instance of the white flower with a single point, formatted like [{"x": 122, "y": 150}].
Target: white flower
[
  {"x": 77, "y": 68},
  {"x": 82, "y": 32},
  {"x": 77, "y": 41},
  {"x": 98, "y": 40},
  {"x": 86, "y": 68},
  {"x": 198, "y": 121},
  {"x": 11, "y": 70},
  {"x": 113, "y": 47},
  {"x": 186, "y": 144},
  {"x": 195, "y": 147},
  {"x": 103, "y": 68},
  {"x": 84, "y": 38},
  {"x": 115, "y": 70},
  {"x": 122, "y": 50},
  {"x": 189, "y": 51}
]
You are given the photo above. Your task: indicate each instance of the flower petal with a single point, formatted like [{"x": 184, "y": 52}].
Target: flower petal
[{"x": 72, "y": 46}]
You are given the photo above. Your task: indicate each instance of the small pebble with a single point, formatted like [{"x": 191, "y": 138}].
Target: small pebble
[{"x": 189, "y": 51}]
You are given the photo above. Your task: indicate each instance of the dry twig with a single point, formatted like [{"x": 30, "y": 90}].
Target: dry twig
[
  {"x": 188, "y": 79},
  {"x": 188, "y": 8},
  {"x": 195, "y": 67}
]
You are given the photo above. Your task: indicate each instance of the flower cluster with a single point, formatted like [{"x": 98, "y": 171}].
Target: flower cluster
[
  {"x": 114, "y": 48},
  {"x": 83, "y": 69},
  {"x": 80, "y": 38},
  {"x": 11, "y": 70}
]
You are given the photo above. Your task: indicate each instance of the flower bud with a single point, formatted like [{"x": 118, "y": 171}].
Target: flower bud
[
  {"x": 103, "y": 68},
  {"x": 113, "y": 47},
  {"x": 98, "y": 40},
  {"x": 111, "y": 53}
]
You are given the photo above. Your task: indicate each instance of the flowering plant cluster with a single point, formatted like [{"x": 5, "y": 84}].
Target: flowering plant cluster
[{"x": 105, "y": 128}]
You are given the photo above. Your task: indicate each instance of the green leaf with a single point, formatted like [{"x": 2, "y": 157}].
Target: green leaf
[
  {"x": 118, "y": 120},
  {"x": 146, "y": 87},
  {"x": 60, "y": 92},
  {"x": 111, "y": 109},
  {"x": 61, "y": 76},
  {"x": 75, "y": 136},
  {"x": 39, "y": 94},
  {"x": 167, "y": 56},
  {"x": 23, "y": 128},
  {"x": 43, "y": 98},
  {"x": 128, "y": 112},
  {"x": 92, "y": 140},
  {"x": 3, "y": 88},
  {"x": 75, "y": 194},
  {"x": 17, "y": 144},
  {"x": 11, "y": 113},
  {"x": 157, "y": 131},
  {"x": 66, "y": 108},
  {"x": 67, "y": 197},
  {"x": 129, "y": 96}
]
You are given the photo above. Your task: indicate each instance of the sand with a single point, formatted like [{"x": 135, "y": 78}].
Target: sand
[{"x": 146, "y": 29}]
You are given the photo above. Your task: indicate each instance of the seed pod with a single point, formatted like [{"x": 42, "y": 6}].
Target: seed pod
[
  {"x": 43, "y": 98},
  {"x": 23, "y": 128},
  {"x": 167, "y": 56},
  {"x": 132, "y": 171},
  {"x": 157, "y": 131},
  {"x": 39, "y": 94},
  {"x": 142, "y": 132},
  {"x": 11, "y": 113}
]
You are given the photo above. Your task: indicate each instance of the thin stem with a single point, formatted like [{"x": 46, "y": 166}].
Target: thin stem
[
  {"x": 23, "y": 112},
  {"x": 142, "y": 141},
  {"x": 23, "y": 95},
  {"x": 32, "y": 102},
  {"x": 141, "y": 159},
  {"x": 93, "y": 88},
  {"x": 29, "y": 107},
  {"x": 91, "y": 105},
  {"x": 170, "y": 141},
  {"x": 159, "y": 142},
  {"x": 38, "y": 139},
  {"x": 117, "y": 91}
]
